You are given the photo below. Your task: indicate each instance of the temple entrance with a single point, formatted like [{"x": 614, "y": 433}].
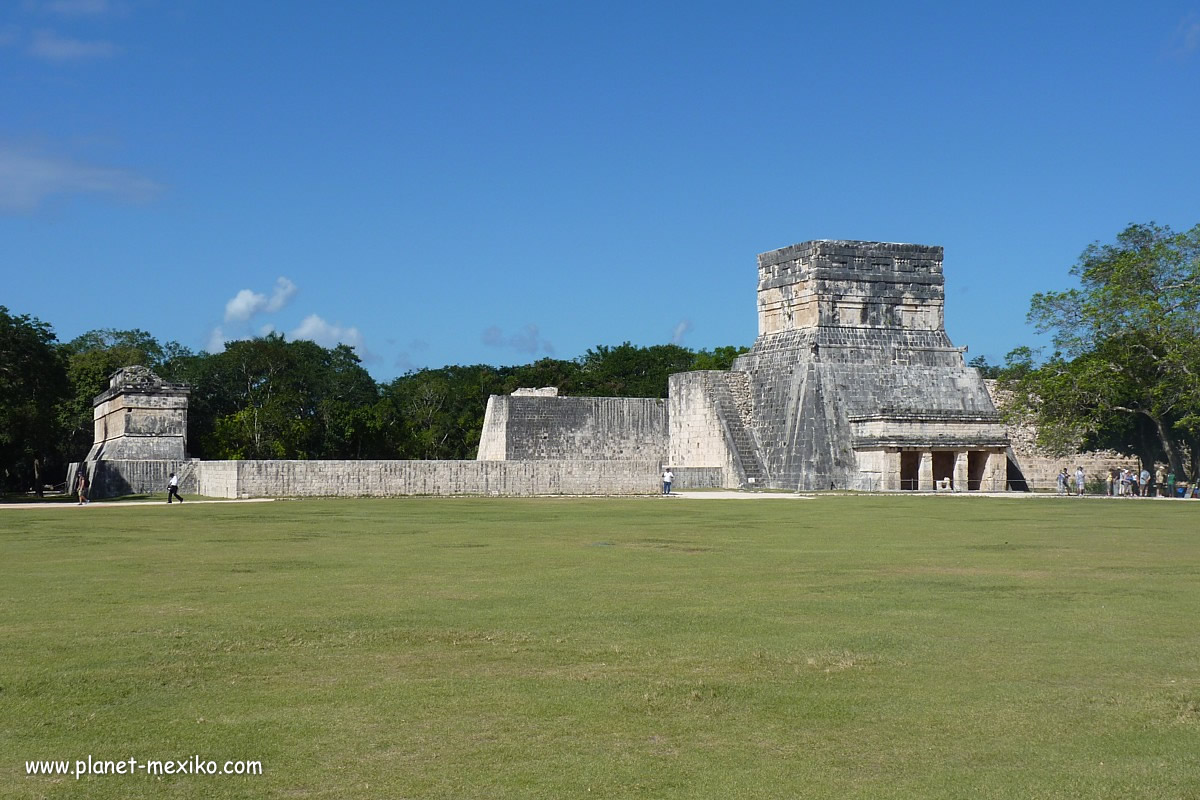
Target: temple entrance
[
  {"x": 910, "y": 470},
  {"x": 976, "y": 462},
  {"x": 943, "y": 466}
]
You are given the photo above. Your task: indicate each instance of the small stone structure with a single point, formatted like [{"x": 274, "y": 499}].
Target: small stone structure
[
  {"x": 140, "y": 417},
  {"x": 140, "y": 436}
]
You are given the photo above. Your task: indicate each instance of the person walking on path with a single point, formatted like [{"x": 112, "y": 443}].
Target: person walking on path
[
  {"x": 1145, "y": 482},
  {"x": 1079, "y": 481},
  {"x": 668, "y": 478},
  {"x": 173, "y": 488},
  {"x": 1062, "y": 481},
  {"x": 81, "y": 487}
]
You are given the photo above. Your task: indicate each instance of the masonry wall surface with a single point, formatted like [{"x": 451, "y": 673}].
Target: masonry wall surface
[
  {"x": 397, "y": 478},
  {"x": 493, "y": 440},
  {"x": 1041, "y": 472},
  {"x": 123, "y": 477},
  {"x": 700, "y": 412},
  {"x": 246, "y": 479},
  {"x": 218, "y": 479},
  {"x": 520, "y": 428},
  {"x": 699, "y": 478}
]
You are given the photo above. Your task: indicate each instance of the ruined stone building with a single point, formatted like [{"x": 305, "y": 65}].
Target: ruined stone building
[{"x": 852, "y": 383}]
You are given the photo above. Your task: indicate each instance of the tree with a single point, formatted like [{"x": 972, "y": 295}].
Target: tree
[
  {"x": 270, "y": 398},
  {"x": 1128, "y": 344},
  {"x": 33, "y": 382},
  {"x": 438, "y": 413},
  {"x": 628, "y": 371},
  {"x": 719, "y": 358}
]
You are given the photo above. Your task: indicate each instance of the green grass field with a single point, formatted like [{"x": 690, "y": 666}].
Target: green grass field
[{"x": 842, "y": 647}]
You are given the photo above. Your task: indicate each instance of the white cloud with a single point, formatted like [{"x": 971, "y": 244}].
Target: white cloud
[
  {"x": 216, "y": 341},
  {"x": 246, "y": 303},
  {"x": 680, "y": 331},
  {"x": 317, "y": 330},
  {"x": 49, "y": 46},
  {"x": 28, "y": 178},
  {"x": 528, "y": 340},
  {"x": 284, "y": 291}
]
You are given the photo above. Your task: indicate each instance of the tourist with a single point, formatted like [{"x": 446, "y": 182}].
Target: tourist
[
  {"x": 81, "y": 487},
  {"x": 1145, "y": 482},
  {"x": 1112, "y": 482},
  {"x": 173, "y": 488},
  {"x": 1062, "y": 481},
  {"x": 1171, "y": 484},
  {"x": 1079, "y": 481},
  {"x": 667, "y": 479}
]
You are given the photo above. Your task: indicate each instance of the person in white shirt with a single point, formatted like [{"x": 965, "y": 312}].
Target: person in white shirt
[
  {"x": 668, "y": 477},
  {"x": 173, "y": 488}
]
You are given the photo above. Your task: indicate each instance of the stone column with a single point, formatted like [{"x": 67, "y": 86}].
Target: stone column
[
  {"x": 960, "y": 471},
  {"x": 925, "y": 473},
  {"x": 891, "y": 471},
  {"x": 995, "y": 473}
]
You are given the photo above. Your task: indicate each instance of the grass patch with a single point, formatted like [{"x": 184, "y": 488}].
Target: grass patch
[{"x": 869, "y": 647}]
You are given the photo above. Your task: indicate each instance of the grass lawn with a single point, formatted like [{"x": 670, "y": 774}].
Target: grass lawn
[{"x": 842, "y": 647}]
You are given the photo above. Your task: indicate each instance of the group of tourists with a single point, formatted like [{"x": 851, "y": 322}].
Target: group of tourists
[
  {"x": 1125, "y": 483},
  {"x": 1064, "y": 482}
]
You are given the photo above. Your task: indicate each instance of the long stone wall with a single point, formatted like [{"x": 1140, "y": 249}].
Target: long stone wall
[{"x": 246, "y": 479}]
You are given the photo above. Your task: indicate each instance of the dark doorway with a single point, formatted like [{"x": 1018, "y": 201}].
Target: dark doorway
[
  {"x": 910, "y": 470},
  {"x": 976, "y": 461},
  {"x": 943, "y": 467}
]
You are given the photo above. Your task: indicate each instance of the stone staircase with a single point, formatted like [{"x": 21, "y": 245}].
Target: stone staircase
[{"x": 737, "y": 412}]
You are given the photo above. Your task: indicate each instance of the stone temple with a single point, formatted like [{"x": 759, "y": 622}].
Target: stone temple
[{"x": 852, "y": 383}]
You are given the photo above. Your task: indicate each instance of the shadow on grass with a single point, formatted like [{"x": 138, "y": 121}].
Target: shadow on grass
[{"x": 65, "y": 499}]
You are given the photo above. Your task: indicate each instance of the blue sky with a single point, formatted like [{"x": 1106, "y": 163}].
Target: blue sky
[{"x": 458, "y": 182}]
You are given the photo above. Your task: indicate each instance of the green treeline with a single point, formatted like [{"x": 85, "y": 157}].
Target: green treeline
[{"x": 273, "y": 398}]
